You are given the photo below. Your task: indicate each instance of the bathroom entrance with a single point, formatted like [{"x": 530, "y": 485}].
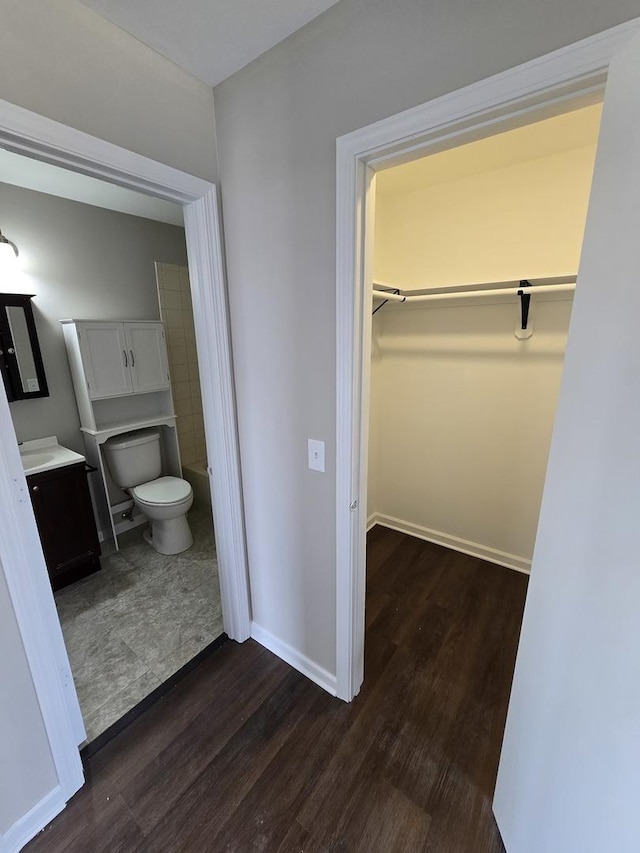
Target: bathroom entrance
[{"x": 138, "y": 604}]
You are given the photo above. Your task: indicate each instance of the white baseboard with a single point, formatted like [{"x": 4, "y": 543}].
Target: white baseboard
[
  {"x": 371, "y": 521},
  {"x": 322, "y": 677},
  {"x": 33, "y": 822},
  {"x": 474, "y": 549}
]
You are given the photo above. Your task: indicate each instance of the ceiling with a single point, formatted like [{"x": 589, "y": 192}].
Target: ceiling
[
  {"x": 211, "y": 39},
  {"x": 531, "y": 142},
  {"x": 33, "y": 175}
]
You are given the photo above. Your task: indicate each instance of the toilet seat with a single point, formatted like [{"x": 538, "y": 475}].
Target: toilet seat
[{"x": 162, "y": 492}]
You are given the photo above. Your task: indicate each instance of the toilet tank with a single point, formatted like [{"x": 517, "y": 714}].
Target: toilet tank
[{"x": 133, "y": 457}]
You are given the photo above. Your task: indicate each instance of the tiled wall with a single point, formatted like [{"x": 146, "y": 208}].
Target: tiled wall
[{"x": 177, "y": 315}]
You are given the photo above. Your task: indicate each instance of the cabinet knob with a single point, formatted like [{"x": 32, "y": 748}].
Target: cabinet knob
[{"x": 35, "y": 488}]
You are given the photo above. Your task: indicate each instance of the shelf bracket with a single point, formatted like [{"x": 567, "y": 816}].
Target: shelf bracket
[
  {"x": 394, "y": 290},
  {"x": 524, "y": 330}
]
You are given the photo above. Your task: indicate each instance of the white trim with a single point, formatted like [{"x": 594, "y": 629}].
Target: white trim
[
  {"x": 211, "y": 318},
  {"x": 464, "y": 546},
  {"x": 27, "y": 133},
  {"x": 372, "y": 520},
  {"x": 318, "y": 674},
  {"x": 33, "y": 822},
  {"x": 33, "y": 135},
  {"x": 32, "y": 600},
  {"x": 552, "y": 84},
  {"x": 562, "y": 76}
]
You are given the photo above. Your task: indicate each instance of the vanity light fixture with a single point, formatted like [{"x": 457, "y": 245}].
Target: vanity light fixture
[{"x": 8, "y": 253}]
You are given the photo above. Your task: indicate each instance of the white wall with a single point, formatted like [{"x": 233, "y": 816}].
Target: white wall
[
  {"x": 28, "y": 772},
  {"x": 464, "y": 416},
  {"x": 463, "y": 411},
  {"x": 277, "y": 122},
  {"x": 521, "y": 221},
  {"x": 86, "y": 263},
  {"x": 62, "y": 60},
  {"x": 570, "y": 767}
]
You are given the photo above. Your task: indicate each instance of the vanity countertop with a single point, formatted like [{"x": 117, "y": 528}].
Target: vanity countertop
[{"x": 45, "y": 454}]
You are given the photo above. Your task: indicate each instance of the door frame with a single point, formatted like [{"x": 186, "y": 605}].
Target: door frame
[
  {"x": 33, "y": 135},
  {"x": 566, "y": 79}
]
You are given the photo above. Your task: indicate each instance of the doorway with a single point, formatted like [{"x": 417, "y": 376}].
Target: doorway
[
  {"x": 461, "y": 415},
  {"x": 558, "y": 83},
  {"x": 462, "y": 397},
  {"x": 20, "y": 551},
  {"x": 132, "y": 616}
]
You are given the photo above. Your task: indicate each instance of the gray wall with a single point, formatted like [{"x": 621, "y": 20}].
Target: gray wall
[
  {"x": 62, "y": 60},
  {"x": 277, "y": 122},
  {"x": 86, "y": 263}
]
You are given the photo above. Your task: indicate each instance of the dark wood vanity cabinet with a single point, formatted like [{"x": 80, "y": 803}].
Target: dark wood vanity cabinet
[{"x": 64, "y": 514}]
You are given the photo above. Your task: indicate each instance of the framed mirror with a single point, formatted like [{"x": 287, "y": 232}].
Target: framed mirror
[{"x": 20, "y": 357}]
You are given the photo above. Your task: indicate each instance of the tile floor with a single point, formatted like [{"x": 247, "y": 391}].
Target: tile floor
[{"x": 137, "y": 621}]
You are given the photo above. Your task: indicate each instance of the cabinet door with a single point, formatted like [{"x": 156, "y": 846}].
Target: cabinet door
[
  {"x": 105, "y": 357},
  {"x": 67, "y": 528},
  {"x": 147, "y": 353}
]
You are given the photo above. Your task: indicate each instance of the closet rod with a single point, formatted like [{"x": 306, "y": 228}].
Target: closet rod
[
  {"x": 534, "y": 282},
  {"x": 470, "y": 294}
]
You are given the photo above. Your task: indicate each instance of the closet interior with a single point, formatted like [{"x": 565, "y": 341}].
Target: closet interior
[{"x": 475, "y": 263}]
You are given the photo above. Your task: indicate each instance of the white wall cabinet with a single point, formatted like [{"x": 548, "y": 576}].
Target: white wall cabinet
[
  {"x": 121, "y": 379},
  {"x": 122, "y": 358}
]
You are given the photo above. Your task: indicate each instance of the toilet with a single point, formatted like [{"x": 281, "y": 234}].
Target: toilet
[{"x": 134, "y": 462}]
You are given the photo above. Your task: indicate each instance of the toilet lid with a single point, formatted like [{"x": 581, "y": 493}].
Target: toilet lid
[{"x": 164, "y": 490}]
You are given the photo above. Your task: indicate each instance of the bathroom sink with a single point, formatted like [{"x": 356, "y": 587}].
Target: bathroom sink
[
  {"x": 45, "y": 454},
  {"x": 36, "y": 460}
]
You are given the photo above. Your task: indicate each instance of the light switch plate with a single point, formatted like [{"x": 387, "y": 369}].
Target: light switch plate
[{"x": 316, "y": 455}]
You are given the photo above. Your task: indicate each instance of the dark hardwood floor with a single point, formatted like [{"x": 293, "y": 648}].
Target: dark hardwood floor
[{"x": 247, "y": 755}]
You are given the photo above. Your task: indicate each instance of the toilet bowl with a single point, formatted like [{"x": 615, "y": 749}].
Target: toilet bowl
[
  {"x": 165, "y": 502},
  {"x": 134, "y": 462}
]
